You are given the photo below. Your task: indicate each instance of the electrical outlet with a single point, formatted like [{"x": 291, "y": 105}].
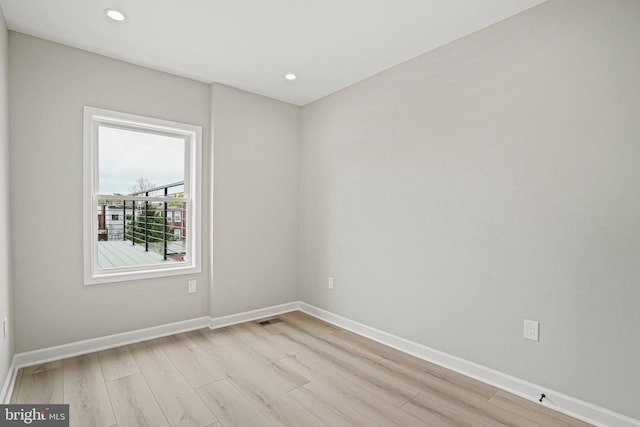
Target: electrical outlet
[
  {"x": 331, "y": 283},
  {"x": 531, "y": 330},
  {"x": 192, "y": 287},
  {"x": 5, "y": 328}
]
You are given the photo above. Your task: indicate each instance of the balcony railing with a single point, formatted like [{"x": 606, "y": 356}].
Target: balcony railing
[{"x": 154, "y": 219}]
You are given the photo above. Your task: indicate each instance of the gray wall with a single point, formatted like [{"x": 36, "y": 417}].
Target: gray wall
[
  {"x": 50, "y": 84},
  {"x": 491, "y": 180},
  {"x": 255, "y": 201},
  {"x": 6, "y": 346},
  {"x": 452, "y": 196},
  {"x": 256, "y": 196}
]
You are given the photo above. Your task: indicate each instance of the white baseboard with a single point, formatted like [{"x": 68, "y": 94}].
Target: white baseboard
[
  {"x": 248, "y": 316},
  {"x": 9, "y": 382},
  {"x": 77, "y": 348},
  {"x": 36, "y": 357},
  {"x": 558, "y": 401}
]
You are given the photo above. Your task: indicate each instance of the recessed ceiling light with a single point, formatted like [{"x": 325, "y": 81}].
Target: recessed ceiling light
[
  {"x": 290, "y": 76},
  {"x": 116, "y": 15}
]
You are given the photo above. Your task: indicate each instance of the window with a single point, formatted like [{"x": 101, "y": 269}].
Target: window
[
  {"x": 177, "y": 217},
  {"x": 136, "y": 171}
]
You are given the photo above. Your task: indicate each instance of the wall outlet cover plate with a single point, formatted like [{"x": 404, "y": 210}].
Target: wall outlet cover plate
[
  {"x": 192, "y": 287},
  {"x": 531, "y": 330}
]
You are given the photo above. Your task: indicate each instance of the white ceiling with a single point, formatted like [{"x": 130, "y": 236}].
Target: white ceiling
[{"x": 251, "y": 44}]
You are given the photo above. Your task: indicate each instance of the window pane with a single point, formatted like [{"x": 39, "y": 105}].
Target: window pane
[
  {"x": 135, "y": 233},
  {"x": 132, "y": 161}
]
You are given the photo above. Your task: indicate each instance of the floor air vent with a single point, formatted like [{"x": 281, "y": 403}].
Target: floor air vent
[{"x": 268, "y": 321}]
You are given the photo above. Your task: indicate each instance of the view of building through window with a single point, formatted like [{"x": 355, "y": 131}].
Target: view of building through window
[{"x": 148, "y": 171}]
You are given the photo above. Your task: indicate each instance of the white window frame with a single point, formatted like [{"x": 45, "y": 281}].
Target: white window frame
[{"x": 192, "y": 135}]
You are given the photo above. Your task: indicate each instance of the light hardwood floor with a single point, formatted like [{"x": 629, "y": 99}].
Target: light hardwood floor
[{"x": 298, "y": 372}]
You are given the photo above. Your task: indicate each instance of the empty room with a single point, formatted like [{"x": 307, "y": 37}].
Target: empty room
[{"x": 335, "y": 213}]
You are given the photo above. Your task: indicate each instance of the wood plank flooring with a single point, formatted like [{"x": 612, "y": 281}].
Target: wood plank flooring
[{"x": 298, "y": 372}]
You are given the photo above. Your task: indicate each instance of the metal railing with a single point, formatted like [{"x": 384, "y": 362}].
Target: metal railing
[{"x": 154, "y": 218}]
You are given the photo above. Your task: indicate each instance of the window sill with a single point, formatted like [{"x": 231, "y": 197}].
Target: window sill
[{"x": 114, "y": 276}]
